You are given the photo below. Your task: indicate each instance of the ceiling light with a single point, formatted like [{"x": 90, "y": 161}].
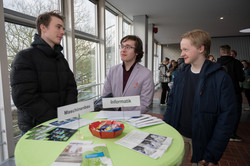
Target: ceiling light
[
  {"x": 245, "y": 30},
  {"x": 221, "y": 18}
]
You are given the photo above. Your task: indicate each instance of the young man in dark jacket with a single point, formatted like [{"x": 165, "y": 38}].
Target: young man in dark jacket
[
  {"x": 201, "y": 104},
  {"x": 235, "y": 70},
  {"x": 41, "y": 79}
]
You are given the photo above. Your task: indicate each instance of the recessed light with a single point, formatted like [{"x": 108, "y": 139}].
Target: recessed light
[
  {"x": 221, "y": 18},
  {"x": 245, "y": 30}
]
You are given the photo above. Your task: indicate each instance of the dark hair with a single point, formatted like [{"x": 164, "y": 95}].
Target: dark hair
[
  {"x": 138, "y": 45},
  {"x": 166, "y": 58},
  {"x": 45, "y": 19},
  {"x": 225, "y": 49}
]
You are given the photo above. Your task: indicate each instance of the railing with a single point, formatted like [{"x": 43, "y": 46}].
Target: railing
[{"x": 89, "y": 91}]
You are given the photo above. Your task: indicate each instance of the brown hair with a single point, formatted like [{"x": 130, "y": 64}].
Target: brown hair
[
  {"x": 199, "y": 38},
  {"x": 138, "y": 45},
  {"x": 45, "y": 19}
]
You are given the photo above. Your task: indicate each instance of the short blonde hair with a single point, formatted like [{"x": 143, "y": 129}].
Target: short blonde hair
[{"x": 199, "y": 38}]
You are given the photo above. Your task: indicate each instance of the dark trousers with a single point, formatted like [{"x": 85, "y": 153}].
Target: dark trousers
[
  {"x": 247, "y": 94},
  {"x": 165, "y": 88},
  {"x": 239, "y": 110}
]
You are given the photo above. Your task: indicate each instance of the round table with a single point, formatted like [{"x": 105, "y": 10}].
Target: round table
[{"x": 44, "y": 153}]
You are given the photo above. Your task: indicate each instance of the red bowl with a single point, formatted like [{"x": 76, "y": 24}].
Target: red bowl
[{"x": 105, "y": 134}]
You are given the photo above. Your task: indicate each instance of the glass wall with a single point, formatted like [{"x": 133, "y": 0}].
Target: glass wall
[
  {"x": 127, "y": 28},
  {"x": 85, "y": 16},
  {"x": 86, "y": 51},
  {"x": 86, "y": 73},
  {"x": 111, "y": 38},
  {"x": 31, "y": 8}
]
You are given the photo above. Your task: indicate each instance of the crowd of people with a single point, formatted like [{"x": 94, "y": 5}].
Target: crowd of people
[{"x": 202, "y": 96}]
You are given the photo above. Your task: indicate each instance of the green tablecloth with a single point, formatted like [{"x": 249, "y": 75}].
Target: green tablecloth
[{"x": 44, "y": 153}]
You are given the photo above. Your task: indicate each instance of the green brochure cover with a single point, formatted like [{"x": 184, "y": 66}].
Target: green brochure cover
[{"x": 95, "y": 155}]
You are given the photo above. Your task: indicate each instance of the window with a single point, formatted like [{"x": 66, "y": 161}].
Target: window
[
  {"x": 126, "y": 29},
  {"x": 85, "y": 16},
  {"x": 32, "y": 8},
  {"x": 86, "y": 69},
  {"x": 17, "y": 38},
  {"x": 111, "y": 40}
]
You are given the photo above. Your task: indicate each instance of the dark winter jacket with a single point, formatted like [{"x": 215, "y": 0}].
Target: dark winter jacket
[
  {"x": 213, "y": 113},
  {"x": 41, "y": 81},
  {"x": 235, "y": 70}
]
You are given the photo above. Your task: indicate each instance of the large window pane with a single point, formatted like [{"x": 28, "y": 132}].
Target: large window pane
[
  {"x": 17, "y": 38},
  {"x": 126, "y": 29},
  {"x": 31, "y": 7},
  {"x": 110, "y": 28},
  {"x": 86, "y": 60},
  {"x": 85, "y": 16}
]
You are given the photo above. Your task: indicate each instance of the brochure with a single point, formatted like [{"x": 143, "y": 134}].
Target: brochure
[
  {"x": 50, "y": 133},
  {"x": 117, "y": 115},
  {"x": 72, "y": 123},
  {"x": 144, "y": 120},
  {"x": 96, "y": 154},
  {"x": 72, "y": 154},
  {"x": 151, "y": 145}
]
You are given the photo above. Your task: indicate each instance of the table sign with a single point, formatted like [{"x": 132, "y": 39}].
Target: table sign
[
  {"x": 73, "y": 110},
  {"x": 127, "y": 101}
]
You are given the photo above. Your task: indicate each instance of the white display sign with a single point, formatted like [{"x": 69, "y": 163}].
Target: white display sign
[
  {"x": 127, "y": 101},
  {"x": 73, "y": 110}
]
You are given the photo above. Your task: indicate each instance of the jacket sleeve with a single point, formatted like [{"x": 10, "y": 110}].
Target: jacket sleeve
[
  {"x": 225, "y": 123},
  {"x": 71, "y": 96},
  {"x": 107, "y": 87},
  {"x": 24, "y": 83},
  {"x": 147, "y": 93}
]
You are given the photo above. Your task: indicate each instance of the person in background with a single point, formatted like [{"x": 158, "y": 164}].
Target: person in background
[
  {"x": 234, "y": 68},
  {"x": 164, "y": 79},
  {"x": 180, "y": 62},
  {"x": 40, "y": 77},
  {"x": 211, "y": 58},
  {"x": 233, "y": 53},
  {"x": 201, "y": 104},
  {"x": 245, "y": 85},
  {"x": 172, "y": 73},
  {"x": 130, "y": 78},
  {"x": 171, "y": 63}
]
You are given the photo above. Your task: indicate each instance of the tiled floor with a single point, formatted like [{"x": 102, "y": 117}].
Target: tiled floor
[{"x": 237, "y": 153}]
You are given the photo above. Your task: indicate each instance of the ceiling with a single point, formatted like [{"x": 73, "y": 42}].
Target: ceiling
[{"x": 175, "y": 17}]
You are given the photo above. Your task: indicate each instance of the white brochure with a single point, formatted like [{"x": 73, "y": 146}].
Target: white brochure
[
  {"x": 151, "y": 145},
  {"x": 117, "y": 115},
  {"x": 127, "y": 101},
  {"x": 73, "y": 110}
]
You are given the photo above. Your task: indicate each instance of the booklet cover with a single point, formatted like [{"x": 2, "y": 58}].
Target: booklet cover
[
  {"x": 144, "y": 120},
  {"x": 50, "y": 133},
  {"x": 148, "y": 144},
  {"x": 72, "y": 154},
  {"x": 83, "y": 153},
  {"x": 96, "y": 154},
  {"x": 72, "y": 123}
]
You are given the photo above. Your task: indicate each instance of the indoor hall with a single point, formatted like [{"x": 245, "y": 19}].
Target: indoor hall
[{"x": 93, "y": 30}]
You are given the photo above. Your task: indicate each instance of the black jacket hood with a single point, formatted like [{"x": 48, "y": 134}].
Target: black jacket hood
[{"x": 45, "y": 47}]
